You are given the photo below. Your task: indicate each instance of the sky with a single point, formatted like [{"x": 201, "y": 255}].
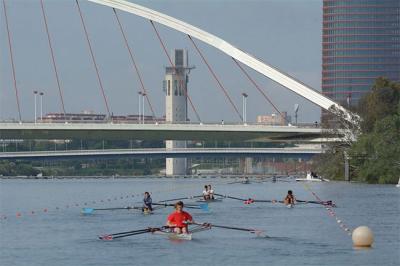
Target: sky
[{"x": 283, "y": 33}]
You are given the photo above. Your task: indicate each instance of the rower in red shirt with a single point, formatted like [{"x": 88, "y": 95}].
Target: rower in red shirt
[{"x": 179, "y": 219}]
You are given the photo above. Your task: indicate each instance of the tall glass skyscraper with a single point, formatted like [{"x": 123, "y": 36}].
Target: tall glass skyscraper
[{"x": 361, "y": 42}]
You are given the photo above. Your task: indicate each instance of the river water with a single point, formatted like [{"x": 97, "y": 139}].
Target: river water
[{"x": 56, "y": 233}]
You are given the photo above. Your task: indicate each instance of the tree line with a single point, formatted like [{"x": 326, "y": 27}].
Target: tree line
[{"x": 373, "y": 151}]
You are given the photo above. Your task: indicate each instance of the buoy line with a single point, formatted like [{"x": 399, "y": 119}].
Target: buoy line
[
  {"x": 331, "y": 212},
  {"x": 19, "y": 214},
  {"x": 362, "y": 236}
]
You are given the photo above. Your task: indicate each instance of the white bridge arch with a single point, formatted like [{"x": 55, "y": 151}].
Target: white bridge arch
[{"x": 252, "y": 62}]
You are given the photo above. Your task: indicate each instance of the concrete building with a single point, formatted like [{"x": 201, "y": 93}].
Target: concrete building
[
  {"x": 175, "y": 88},
  {"x": 274, "y": 119},
  {"x": 91, "y": 117},
  {"x": 360, "y": 42},
  {"x": 85, "y": 116}
]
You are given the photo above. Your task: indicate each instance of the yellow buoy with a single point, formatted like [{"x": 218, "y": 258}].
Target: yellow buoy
[{"x": 362, "y": 237}]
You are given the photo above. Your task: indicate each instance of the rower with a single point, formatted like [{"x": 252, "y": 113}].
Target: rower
[
  {"x": 290, "y": 199},
  {"x": 206, "y": 193},
  {"x": 147, "y": 201},
  {"x": 210, "y": 192},
  {"x": 179, "y": 219}
]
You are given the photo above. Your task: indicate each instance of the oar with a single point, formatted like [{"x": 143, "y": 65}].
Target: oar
[
  {"x": 91, "y": 210},
  {"x": 230, "y": 197},
  {"x": 202, "y": 206},
  {"x": 253, "y": 231},
  {"x": 325, "y": 203},
  {"x": 271, "y": 201},
  {"x": 234, "y": 182},
  {"x": 129, "y": 233},
  {"x": 183, "y": 198}
]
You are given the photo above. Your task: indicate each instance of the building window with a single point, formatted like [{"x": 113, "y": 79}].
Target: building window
[
  {"x": 164, "y": 85},
  {"x": 176, "y": 87},
  {"x": 180, "y": 88}
]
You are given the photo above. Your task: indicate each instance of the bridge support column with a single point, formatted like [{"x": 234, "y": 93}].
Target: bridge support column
[
  {"x": 346, "y": 167},
  {"x": 246, "y": 165},
  {"x": 175, "y": 166}
]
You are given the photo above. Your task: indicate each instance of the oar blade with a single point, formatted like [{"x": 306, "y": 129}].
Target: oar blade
[
  {"x": 106, "y": 237},
  {"x": 87, "y": 210},
  {"x": 204, "y": 207},
  {"x": 259, "y": 233}
]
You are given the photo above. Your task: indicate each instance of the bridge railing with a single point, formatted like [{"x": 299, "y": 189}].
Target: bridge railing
[{"x": 211, "y": 123}]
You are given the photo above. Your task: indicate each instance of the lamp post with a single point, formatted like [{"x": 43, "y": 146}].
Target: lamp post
[
  {"x": 34, "y": 95},
  {"x": 143, "y": 95},
  {"x": 41, "y": 106},
  {"x": 348, "y": 100},
  {"x": 296, "y": 110},
  {"x": 139, "y": 115},
  {"x": 244, "y": 97}
]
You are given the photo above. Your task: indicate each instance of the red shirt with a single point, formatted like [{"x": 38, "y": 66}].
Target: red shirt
[{"x": 179, "y": 218}]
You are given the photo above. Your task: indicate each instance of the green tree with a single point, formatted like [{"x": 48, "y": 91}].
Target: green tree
[
  {"x": 381, "y": 102},
  {"x": 375, "y": 148},
  {"x": 375, "y": 156}
]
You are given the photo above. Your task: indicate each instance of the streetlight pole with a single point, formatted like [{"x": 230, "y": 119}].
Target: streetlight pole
[
  {"x": 34, "y": 94},
  {"x": 143, "y": 95},
  {"x": 296, "y": 110},
  {"x": 41, "y": 106},
  {"x": 348, "y": 99},
  {"x": 139, "y": 115},
  {"x": 244, "y": 107}
]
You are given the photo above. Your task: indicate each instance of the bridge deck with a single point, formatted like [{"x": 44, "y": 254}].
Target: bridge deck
[
  {"x": 111, "y": 131},
  {"x": 163, "y": 153}
]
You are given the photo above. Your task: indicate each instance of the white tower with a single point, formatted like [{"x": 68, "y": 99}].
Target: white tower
[{"x": 175, "y": 87}]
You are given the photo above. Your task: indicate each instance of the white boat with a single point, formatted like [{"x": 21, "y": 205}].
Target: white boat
[
  {"x": 398, "y": 184},
  {"x": 312, "y": 178},
  {"x": 209, "y": 200},
  {"x": 174, "y": 236}
]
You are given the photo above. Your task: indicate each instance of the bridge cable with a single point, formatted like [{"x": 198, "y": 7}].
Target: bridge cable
[
  {"x": 52, "y": 57},
  {"x": 12, "y": 61},
  {"x": 144, "y": 91},
  {"x": 93, "y": 59},
  {"x": 215, "y": 77},
  {"x": 259, "y": 89},
  {"x": 173, "y": 66}
]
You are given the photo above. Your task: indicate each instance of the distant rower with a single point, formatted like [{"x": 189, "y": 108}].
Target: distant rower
[
  {"x": 206, "y": 193},
  {"x": 179, "y": 219},
  {"x": 147, "y": 201},
  {"x": 210, "y": 192},
  {"x": 290, "y": 199}
]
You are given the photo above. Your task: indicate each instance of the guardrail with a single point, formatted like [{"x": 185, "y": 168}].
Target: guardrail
[
  {"x": 160, "y": 152},
  {"x": 57, "y": 122}
]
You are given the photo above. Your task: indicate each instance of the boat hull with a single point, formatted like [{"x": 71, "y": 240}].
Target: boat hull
[
  {"x": 311, "y": 178},
  {"x": 308, "y": 180},
  {"x": 174, "y": 236},
  {"x": 208, "y": 201}
]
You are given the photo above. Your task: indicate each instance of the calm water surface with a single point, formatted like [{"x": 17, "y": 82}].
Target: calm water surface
[{"x": 304, "y": 235}]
